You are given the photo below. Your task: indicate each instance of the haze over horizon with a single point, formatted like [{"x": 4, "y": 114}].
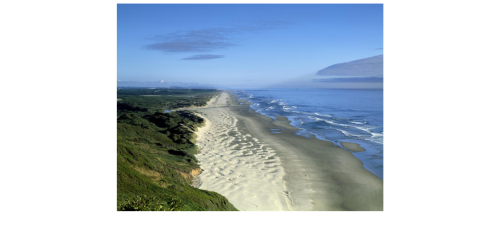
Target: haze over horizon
[{"x": 244, "y": 45}]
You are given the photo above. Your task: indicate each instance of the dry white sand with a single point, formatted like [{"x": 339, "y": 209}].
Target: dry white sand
[{"x": 240, "y": 167}]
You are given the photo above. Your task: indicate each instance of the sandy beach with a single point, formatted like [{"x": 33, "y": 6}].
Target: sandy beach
[{"x": 259, "y": 164}]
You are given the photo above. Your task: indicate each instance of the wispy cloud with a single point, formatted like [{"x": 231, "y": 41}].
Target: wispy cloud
[
  {"x": 188, "y": 46},
  {"x": 203, "y": 57},
  {"x": 207, "y": 40}
]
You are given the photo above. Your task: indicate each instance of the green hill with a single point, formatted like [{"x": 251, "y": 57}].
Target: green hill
[{"x": 155, "y": 153}]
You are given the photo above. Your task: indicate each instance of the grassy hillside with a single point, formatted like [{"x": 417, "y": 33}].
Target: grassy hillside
[{"x": 155, "y": 152}]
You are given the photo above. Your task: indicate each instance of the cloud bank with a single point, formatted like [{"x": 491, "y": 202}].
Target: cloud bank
[{"x": 351, "y": 79}]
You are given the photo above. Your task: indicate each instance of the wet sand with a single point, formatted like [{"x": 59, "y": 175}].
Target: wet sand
[{"x": 353, "y": 147}]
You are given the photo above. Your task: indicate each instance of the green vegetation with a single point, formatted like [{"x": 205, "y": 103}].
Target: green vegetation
[
  {"x": 155, "y": 151},
  {"x": 143, "y": 101}
]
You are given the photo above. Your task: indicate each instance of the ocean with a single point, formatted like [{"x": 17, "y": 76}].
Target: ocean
[{"x": 335, "y": 115}]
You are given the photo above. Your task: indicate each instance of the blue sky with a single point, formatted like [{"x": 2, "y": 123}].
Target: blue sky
[{"x": 242, "y": 45}]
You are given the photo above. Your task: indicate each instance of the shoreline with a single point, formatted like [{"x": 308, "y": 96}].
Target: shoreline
[{"x": 307, "y": 174}]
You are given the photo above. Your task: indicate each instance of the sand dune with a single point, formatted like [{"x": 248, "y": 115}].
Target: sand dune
[{"x": 237, "y": 165}]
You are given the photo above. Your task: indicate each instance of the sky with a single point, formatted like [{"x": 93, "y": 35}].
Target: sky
[{"x": 242, "y": 45}]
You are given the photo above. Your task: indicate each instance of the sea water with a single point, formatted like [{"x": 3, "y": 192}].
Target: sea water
[{"x": 335, "y": 115}]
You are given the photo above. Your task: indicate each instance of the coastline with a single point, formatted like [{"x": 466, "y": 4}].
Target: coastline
[{"x": 260, "y": 164}]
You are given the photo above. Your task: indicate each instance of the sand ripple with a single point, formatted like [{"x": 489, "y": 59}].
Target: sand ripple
[{"x": 237, "y": 165}]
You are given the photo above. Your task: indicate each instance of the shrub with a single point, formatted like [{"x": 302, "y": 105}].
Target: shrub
[{"x": 149, "y": 203}]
